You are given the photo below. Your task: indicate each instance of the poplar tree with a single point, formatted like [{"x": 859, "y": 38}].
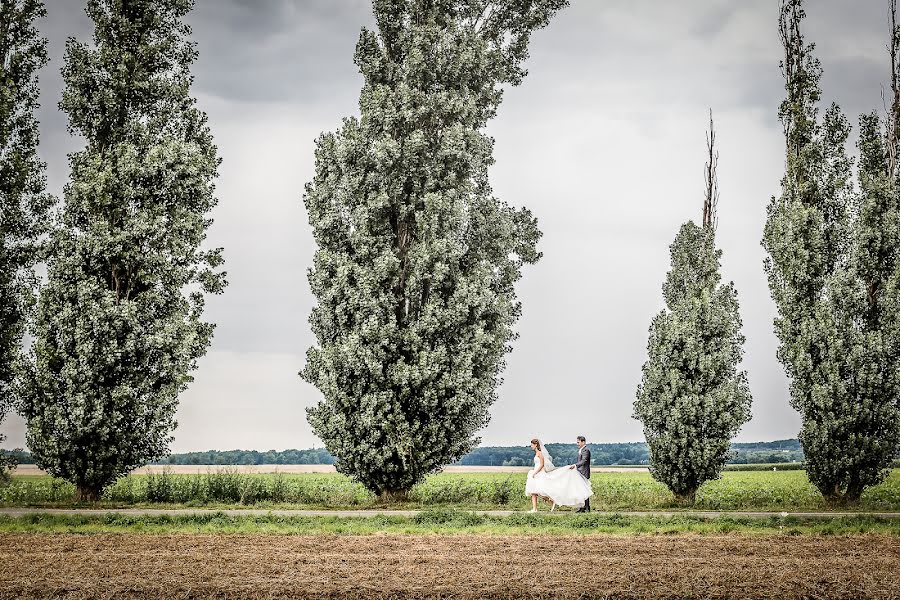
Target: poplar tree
[
  {"x": 23, "y": 202},
  {"x": 417, "y": 260},
  {"x": 119, "y": 326},
  {"x": 833, "y": 273},
  {"x": 692, "y": 400}
]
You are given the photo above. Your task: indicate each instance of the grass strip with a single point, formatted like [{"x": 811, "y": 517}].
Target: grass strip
[
  {"x": 446, "y": 522},
  {"x": 736, "y": 491}
]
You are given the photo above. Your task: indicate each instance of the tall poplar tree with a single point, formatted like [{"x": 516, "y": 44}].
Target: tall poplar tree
[
  {"x": 417, "y": 260},
  {"x": 119, "y": 324},
  {"x": 833, "y": 272},
  {"x": 692, "y": 399},
  {"x": 23, "y": 201}
]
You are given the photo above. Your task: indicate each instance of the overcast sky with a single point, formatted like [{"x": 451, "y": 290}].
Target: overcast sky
[{"x": 604, "y": 142}]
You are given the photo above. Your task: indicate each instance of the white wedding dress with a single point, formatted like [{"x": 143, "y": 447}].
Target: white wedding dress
[{"x": 565, "y": 486}]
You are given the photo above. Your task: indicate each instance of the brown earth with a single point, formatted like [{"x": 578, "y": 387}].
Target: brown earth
[{"x": 447, "y": 566}]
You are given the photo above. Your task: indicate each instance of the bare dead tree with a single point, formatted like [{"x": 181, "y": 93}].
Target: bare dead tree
[
  {"x": 711, "y": 202},
  {"x": 792, "y": 42},
  {"x": 801, "y": 71},
  {"x": 893, "y": 111}
]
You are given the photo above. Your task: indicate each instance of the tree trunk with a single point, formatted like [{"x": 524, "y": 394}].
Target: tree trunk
[
  {"x": 839, "y": 499},
  {"x": 85, "y": 493},
  {"x": 686, "y": 498},
  {"x": 852, "y": 497},
  {"x": 393, "y": 496},
  {"x": 843, "y": 499},
  {"x": 833, "y": 496}
]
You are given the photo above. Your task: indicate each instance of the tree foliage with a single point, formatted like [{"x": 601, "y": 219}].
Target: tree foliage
[
  {"x": 692, "y": 400},
  {"x": 311, "y": 456},
  {"x": 417, "y": 260},
  {"x": 621, "y": 453},
  {"x": 23, "y": 202},
  {"x": 119, "y": 324},
  {"x": 834, "y": 274}
]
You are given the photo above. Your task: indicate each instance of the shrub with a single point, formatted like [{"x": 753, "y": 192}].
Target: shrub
[
  {"x": 160, "y": 487},
  {"x": 8, "y": 462},
  {"x": 224, "y": 485}
]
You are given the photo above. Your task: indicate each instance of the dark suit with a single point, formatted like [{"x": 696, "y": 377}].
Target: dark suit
[{"x": 583, "y": 464}]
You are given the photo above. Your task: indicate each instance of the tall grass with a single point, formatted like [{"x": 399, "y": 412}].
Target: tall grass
[
  {"x": 746, "y": 490},
  {"x": 229, "y": 486},
  {"x": 439, "y": 521}
]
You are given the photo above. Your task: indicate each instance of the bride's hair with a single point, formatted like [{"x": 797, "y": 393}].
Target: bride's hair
[{"x": 537, "y": 442}]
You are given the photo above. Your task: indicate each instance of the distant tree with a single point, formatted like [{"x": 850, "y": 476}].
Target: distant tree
[
  {"x": 17, "y": 456},
  {"x": 692, "y": 399},
  {"x": 835, "y": 277},
  {"x": 119, "y": 326},
  {"x": 24, "y": 205},
  {"x": 417, "y": 260},
  {"x": 634, "y": 453}
]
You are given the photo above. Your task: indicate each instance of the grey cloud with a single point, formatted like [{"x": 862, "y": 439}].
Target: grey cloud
[
  {"x": 714, "y": 20},
  {"x": 604, "y": 141},
  {"x": 281, "y": 51}
]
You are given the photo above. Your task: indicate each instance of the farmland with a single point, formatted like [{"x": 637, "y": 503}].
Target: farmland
[
  {"x": 632, "y": 491},
  {"x": 29, "y": 469},
  {"x": 428, "y": 566},
  {"x": 442, "y": 551}
]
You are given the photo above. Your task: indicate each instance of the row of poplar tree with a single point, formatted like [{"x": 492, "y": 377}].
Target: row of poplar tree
[
  {"x": 417, "y": 259},
  {"x": 115, "y": 327},
  {"x": 834, "y": 273}
]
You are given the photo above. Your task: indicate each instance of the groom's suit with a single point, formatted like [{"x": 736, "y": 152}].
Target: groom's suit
[{"x": 583, "y": 464}]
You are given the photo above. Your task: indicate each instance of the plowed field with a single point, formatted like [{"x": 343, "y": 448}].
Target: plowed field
[{"x": 448, "y": 566}]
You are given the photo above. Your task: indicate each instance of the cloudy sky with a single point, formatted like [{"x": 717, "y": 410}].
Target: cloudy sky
[{"x": 604, "y": 142}]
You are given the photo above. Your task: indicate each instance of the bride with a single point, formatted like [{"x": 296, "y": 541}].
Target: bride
[{"x": 560, "y": 486}]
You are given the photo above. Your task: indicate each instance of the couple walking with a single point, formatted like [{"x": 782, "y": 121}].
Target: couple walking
[{"x": 561, "y": 486}]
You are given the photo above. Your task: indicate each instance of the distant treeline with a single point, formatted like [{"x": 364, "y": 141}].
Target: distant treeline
[
  {"x": 780, "y": 451},
  {"x": 635, "y": 453},
  {"x": 312, "y": 456}
]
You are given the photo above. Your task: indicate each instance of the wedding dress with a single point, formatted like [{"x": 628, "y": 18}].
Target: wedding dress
[{"x": 565, "y": 486}]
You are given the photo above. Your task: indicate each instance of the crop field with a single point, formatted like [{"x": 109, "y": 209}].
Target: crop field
[
  {"x": 447, "y": 566},
  {"x": 750, "y": 490},
  {"x": 289, "y": 469}
]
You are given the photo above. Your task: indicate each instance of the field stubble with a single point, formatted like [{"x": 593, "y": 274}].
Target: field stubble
[{"x": 445, "y": 566}]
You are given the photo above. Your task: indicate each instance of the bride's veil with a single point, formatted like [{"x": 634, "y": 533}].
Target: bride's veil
[{"x": 548, "y": 460}]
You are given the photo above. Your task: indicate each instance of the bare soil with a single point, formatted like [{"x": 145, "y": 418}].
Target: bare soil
[{"x": 447, "y": 566}]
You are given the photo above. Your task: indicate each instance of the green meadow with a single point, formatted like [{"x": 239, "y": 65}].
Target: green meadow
[{"x": 788, "y": 491}]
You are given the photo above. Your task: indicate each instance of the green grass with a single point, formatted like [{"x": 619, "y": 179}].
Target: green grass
[
  {"x": 440, "y": 522},
  {"x": 791, "y": 466},
  {"x": 736, "y": 491}
]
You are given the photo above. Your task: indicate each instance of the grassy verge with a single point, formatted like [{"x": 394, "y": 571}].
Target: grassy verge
[
  {"x": 736, "y": 491},
  {"x": 440, "y": 522}
]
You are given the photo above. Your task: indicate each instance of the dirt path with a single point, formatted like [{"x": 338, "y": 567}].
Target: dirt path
[
  {"x": 19, "y": 512},
  {"x": 459, "y": 566}
]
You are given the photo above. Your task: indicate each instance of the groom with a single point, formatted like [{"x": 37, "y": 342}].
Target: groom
[{"x": 583, "y": 464}]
